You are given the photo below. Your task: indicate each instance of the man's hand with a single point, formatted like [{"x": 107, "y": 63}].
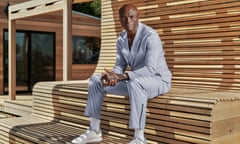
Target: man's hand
[{"x": 109, "y": 78}]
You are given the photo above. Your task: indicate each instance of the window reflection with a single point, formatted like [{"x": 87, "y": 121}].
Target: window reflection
[
  {"x": 85, "y": 50},
  {"x": 21, "y": 60},
  {"x": 42, "y": 57}
]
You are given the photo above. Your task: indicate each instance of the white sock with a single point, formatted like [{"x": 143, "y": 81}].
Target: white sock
[
  {"x": 95, "y": 124},
  {"x": 139, "y": 133}
]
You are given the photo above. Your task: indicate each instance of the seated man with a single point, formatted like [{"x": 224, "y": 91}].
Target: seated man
[{"x": 140, "y": 48}]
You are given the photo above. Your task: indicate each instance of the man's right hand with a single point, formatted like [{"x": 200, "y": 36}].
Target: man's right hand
[{"x": 109, "y": 78}]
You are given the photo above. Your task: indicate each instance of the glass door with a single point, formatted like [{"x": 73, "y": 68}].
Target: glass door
[
  {"x": 35, "y": 59},
  {"x": 42, "y": 67}
]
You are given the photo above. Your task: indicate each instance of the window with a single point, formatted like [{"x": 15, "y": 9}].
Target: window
[{"x": 85, "y": 50}]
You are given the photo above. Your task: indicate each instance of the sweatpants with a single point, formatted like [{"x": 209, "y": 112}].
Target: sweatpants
[{"x": 139, "y": 90}]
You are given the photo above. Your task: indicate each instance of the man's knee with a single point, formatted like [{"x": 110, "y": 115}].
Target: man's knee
[
  {"x": 136, "y": 83},
  {"x": 94, "y": 80},
  {"x": 136, "y": 89}
]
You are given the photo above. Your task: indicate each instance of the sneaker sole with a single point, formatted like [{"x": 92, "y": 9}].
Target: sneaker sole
[
  {"x": 95, "y": 140},
  {"x": 90, "y": 141}
]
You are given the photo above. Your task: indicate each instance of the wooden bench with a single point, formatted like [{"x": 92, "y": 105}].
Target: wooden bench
[
  {"x": 201, "y": 42},
  {"x": 182, "y": 116}
]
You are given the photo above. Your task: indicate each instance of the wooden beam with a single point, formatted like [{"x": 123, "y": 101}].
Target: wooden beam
[
  {"x": 12, "y": 58},
  {"x": 67, "y": 40},
  {"x": 81, "y": 1},
  {"x": 33, "y": 8}
]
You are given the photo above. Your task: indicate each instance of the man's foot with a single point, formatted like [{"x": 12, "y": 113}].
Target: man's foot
[
  {"x": 138, "y": 141},
  {"x": 88, "y": 137}
]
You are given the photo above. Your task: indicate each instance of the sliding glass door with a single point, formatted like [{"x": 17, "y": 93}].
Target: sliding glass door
[
  {"x": 35, "y": 59},
  {"x": 42, "y": 57}
]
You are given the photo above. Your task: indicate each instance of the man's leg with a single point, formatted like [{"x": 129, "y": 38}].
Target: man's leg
[
  {"x": 93, "y": 109},
  {"x": 96, "y": 93},
  {"x": 95, "y": 97},
  {"x": 140, "y": 90}
]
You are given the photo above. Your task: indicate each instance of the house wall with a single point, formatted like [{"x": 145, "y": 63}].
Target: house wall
[{"x": 52, "y": 22}]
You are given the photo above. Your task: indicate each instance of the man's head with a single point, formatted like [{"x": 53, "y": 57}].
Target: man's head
[{"x": 128, "y": 15}]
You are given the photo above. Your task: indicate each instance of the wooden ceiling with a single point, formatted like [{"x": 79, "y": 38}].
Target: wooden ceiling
[{"x": 80, "y": 1}]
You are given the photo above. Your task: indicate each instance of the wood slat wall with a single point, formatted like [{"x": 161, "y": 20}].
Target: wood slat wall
[{"x": 200, "y": 38}]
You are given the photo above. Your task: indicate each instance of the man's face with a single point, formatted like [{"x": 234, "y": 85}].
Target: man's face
[{"x": 129, "y": 19}]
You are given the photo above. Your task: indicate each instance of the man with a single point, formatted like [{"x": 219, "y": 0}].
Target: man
[{"x": 140, "y": 48}]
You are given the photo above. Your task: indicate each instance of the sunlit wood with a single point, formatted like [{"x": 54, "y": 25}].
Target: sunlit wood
[
  {"x": 67, "y": 40},
  {"x": 33, "y": 8},
  {"x": 12, "y": 59}
]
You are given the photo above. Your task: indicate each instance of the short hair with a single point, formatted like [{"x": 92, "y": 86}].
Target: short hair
[{"x": 123, "y": 7}]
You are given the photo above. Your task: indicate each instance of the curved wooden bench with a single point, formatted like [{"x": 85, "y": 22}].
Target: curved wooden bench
[
  {"x": 182, "y": 116},
  {"x": 201, "y": 42}
]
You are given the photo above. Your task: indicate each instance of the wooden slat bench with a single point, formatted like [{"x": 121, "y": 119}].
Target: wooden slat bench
[
  {"x": 201, "y": 42},
  {"x": 182, "y": 116}
]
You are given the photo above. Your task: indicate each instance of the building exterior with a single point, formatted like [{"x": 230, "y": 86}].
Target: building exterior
[{"x": 39, "y": 46}]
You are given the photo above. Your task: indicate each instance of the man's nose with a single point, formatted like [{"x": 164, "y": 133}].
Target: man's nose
[{"x": 128, "y": 19}]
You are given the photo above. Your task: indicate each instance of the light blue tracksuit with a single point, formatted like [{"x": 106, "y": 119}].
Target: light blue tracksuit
[{"x": 149, "y": 75}]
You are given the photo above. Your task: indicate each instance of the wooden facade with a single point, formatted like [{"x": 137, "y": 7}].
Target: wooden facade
[{"x": 82, "y": 25}]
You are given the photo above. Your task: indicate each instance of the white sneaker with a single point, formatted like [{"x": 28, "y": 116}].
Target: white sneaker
[
  {"x": 138, "y": 141},
  {"x": 88, "y": 137}
]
